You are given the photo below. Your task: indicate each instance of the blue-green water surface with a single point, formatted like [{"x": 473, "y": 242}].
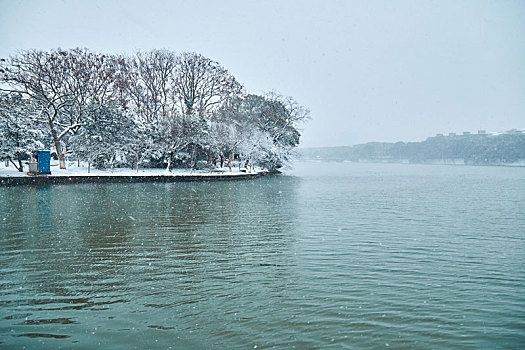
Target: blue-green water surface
[{"x": 329, "y": 256}]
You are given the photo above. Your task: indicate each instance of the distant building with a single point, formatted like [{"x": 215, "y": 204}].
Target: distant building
[
  {"x": 451, "y": 134},
  {"x": 482, "y": 132},
  {"x": 466, "y": 133}
]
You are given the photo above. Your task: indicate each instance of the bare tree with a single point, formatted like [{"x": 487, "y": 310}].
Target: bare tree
[
  {"x": 153, "y": 102},
  {"x": 151, "y": 92},
  {"x": 202, "y": 85}
]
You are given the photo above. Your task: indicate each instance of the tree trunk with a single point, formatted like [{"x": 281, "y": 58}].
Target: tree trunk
[
  {"x": 112, "y": 161},
  {"x": 193, "y": 160},
  {"x": 20, "y": 169},
  {"x": 58, "y": 149},
  {"x": 89, "y": 167},
  {"x": 170, "y": 156},
  {"x": 230, "y": 161}
]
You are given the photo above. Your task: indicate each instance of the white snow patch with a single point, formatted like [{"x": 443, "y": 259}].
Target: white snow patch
[{"x": 82, "y": 170}]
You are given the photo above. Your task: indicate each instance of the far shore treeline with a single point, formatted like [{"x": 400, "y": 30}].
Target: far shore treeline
[
  {"x": 157, "y": 109},
  {"x": 483, "y": 148}
]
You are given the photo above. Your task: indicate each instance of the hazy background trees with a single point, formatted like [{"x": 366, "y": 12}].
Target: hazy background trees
[
  {"x": 155, "y": 108},
  {"x": 476, "y": 149}
]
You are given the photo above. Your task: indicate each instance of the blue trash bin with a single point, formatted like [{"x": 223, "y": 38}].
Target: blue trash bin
[{"x": 44, "y": 162}]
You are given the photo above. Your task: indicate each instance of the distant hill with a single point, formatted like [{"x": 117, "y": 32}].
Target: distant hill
[{"x": 476, "y": 149}]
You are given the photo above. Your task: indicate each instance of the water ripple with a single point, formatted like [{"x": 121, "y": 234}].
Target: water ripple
[{"x": 402, "y": 257}]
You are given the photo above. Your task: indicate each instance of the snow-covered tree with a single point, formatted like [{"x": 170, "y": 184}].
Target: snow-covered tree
[
  {"x": 167, "y": 104},
  {"x": 265, "y": 119},
  {"x": 158, "y": 126},
  {"x": 230, "y": 130},
  {"x": 256, "y": 147},
  {"x": 279, "y": 116},
  {"x": 20, "y": 135},
  {"x": 106, "y": 130},
  {"x": 221, "y": 140},
  {"x": 62, "y": 83},
  {"x": 183, "y": 132}
]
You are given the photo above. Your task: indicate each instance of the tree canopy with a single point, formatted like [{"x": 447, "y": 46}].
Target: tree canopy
[{"x": 155, "y": 108}]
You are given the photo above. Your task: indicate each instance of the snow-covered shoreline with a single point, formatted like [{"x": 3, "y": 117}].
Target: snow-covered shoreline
[{"x": 75, "y": 174}]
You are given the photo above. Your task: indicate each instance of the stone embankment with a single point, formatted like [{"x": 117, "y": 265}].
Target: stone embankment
[{"x": 76, "y": 179}]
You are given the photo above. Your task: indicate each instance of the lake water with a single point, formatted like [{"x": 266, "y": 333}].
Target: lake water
[{"x": 330, "y": 256}]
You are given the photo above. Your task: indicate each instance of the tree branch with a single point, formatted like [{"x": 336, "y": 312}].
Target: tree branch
[{"x": 68, "y": 129}]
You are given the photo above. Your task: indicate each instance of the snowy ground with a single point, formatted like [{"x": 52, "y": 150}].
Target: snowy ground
[{"x": 74, "y": 170}]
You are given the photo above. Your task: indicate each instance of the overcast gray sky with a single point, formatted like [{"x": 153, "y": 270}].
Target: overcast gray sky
[{"x": 367, "y": 70}]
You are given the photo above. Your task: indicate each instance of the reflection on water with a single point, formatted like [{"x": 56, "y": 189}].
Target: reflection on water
[
  {"x": 147, "y": 258},
  {"x": 343, "y": 255}
]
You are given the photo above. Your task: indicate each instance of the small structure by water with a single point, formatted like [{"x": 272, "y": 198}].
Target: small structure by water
[{"x": 41, "y": 164}]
